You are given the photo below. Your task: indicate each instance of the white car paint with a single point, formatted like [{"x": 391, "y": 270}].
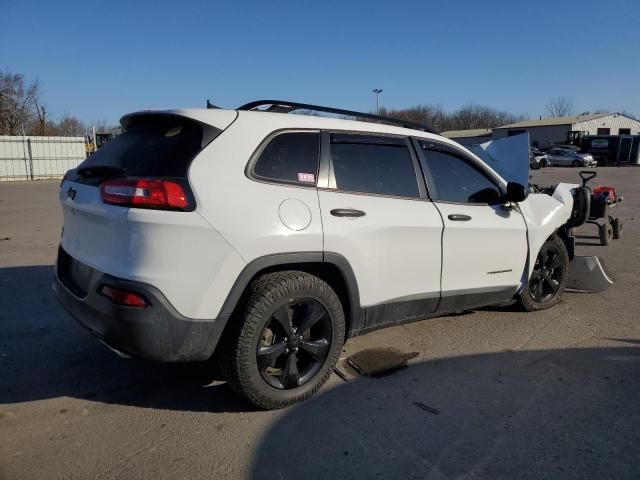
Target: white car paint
[
  {"x": 394, "y": 249},
  {"x": 490, "y": 250},
  {"x": 194, "y": 258},
  {"x": 544, "y": 214},
  {"x": 177, "y": 252}
]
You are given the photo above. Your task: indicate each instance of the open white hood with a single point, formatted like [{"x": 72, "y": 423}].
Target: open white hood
[{"x": 507, "y": 156}]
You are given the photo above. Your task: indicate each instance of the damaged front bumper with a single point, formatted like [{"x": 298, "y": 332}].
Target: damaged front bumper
[{"x": 588, "y": 274}]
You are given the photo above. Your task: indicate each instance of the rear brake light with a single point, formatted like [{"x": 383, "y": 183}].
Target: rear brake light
[
  {"x": 122, "y": 297},
  {"x": 145, "y": 193}
]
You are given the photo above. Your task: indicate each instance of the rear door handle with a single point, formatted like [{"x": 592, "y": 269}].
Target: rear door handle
[
  {"x": 458, "y": 217},
  {"x": 346, "y": 212}
]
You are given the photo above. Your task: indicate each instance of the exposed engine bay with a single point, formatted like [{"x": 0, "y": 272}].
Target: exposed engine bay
[{"x": 590, "y": 205}]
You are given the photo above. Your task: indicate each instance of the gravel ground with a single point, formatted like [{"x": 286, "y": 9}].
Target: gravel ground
[{"x": 494, "y": 393}]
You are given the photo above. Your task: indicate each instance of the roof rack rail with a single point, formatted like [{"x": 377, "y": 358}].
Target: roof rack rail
[{"x": 283, "y": 106}]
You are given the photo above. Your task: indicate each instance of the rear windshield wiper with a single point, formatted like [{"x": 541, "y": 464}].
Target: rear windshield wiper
[{"x": 102, "y": 171}]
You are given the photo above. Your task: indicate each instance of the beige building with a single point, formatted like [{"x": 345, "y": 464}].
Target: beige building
[
  {"x": 547, "y": 131},
  {"x": 469, "y": 137}
]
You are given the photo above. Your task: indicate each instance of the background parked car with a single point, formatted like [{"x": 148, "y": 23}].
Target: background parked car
[
  {"x": 568, "y": 158},
  {"x": 572, "y": 148},
  {"x": 538, "y": 159}
]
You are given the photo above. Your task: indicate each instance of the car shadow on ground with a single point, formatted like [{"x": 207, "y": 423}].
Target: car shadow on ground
[
  {"x": 45, "y": 354},
  {"x": 569, "y": 413}
]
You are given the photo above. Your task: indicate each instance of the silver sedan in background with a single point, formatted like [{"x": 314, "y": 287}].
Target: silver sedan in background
[{"x": 560, "y": 157}]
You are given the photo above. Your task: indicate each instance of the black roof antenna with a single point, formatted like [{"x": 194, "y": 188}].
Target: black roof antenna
[{"x": 211, "y": 105}]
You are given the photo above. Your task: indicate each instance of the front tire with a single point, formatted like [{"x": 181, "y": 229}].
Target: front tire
[
  {"x": 576, "y": 163},
  {"x": 549, "y": 277},
  {"x": 286, "y": 341}
]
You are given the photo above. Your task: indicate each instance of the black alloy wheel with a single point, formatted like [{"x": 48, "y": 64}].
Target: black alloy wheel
[
  {"x": 547, "y": 274},
  {"x": 294, "y": 343}
]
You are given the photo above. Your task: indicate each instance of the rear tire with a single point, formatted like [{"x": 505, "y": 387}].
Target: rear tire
[
  {"x": 285, "y": 343},
  {"x": 617, "y": 228},
  {"x": 576, "y": 163},
  {"x": 606, "y": 233},
  {"x": 549, "y": 277}
]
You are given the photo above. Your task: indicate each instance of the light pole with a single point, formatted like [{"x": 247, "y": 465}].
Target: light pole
[{"x": 377, "y": 92}]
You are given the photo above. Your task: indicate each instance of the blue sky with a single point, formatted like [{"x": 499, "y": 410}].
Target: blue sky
[{"x": 99, "y": 60}]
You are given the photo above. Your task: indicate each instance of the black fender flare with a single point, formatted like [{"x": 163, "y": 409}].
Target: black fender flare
[{"x": 289, "y": 261}]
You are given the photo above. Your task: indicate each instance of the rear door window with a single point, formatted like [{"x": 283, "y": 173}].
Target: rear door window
[
  {"x": 373, "y": 164},
  {"x": 290, "y": 157},
  {"x": 153, "y": 146}
]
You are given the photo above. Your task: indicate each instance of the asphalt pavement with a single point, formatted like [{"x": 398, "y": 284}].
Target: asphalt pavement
[{"x": 493, "y": 393}]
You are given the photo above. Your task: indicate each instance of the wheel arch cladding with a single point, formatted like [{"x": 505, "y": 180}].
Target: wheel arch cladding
[{"x": 333, "y": 268}]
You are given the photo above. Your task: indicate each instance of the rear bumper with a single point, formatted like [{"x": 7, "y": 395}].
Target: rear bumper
[{"x": 156, "y": 332}]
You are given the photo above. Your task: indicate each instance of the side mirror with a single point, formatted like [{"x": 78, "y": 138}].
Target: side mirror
[{"x": 516, "y": 192}]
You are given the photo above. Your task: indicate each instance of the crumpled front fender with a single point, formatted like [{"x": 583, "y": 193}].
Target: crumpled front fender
[{"x": 544, "y": 214}]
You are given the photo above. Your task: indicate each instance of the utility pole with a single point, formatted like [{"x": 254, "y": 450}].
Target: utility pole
[
  {"x": 44, "y": 121},
  {"x": 377, "y": 92},
  {"x": 41, "y": 116}
]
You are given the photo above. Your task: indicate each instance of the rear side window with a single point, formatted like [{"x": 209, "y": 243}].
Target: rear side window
[
  {"x": 454, "y": 179},
  {"x": 369, "y": 166},
  {"x": 290, "y": 157},
  {"x": 153, "y": 146}
]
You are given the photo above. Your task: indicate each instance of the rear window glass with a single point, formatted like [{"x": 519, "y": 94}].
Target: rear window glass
[
  {"x": 151, "y": 147},
  {"x": 290, "y": 157}
]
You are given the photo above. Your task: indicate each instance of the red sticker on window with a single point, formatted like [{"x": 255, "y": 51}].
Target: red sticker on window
[{"x": 306, "y": 177}]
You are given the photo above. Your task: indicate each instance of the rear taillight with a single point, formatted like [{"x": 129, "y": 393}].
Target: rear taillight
[
  {"x": 145, "y": 193},
  {"x": 123, "y": 297}
]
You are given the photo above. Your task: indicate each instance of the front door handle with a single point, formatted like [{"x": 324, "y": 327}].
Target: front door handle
[
  {"x": 346, "y": 212},
  {"x": 458, "y": 217}
]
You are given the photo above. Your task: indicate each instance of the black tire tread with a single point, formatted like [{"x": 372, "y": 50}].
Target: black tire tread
[
  {"x": 617, "y": 228},
  {"x": 261, "y": 295},
  {"x": 606, "y": 234},
  {"x": 526, "y": 300}
]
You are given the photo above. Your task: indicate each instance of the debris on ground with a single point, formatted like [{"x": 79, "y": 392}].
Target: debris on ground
[
  {"x": 345, "y": 371},
  {"x": 378, "y": 362}
]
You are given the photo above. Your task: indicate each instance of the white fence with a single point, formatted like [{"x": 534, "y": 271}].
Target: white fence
[{"x": 31, "y": 158}]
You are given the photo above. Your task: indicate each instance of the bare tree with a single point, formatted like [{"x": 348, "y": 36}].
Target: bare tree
[
  {"x": 102, "y": 126},
  {"x": 560, "y": 107},
  {"x": 42, "y": 117},
  {"x": 17, "y": 103},
  {"x": 70, "y": 126},
  {"x": 468, "y": 117}
]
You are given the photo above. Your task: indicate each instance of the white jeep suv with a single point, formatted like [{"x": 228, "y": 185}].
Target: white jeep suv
[{"x": 269, "y": 238}]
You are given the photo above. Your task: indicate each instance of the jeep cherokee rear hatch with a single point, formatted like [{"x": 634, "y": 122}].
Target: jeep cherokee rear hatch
[{"x": 116, "y": 203}]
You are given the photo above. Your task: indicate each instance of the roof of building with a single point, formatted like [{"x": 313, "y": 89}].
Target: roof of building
[
  {"x": 475, "y": 132},
  {"x": 555, "y": 121}
]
